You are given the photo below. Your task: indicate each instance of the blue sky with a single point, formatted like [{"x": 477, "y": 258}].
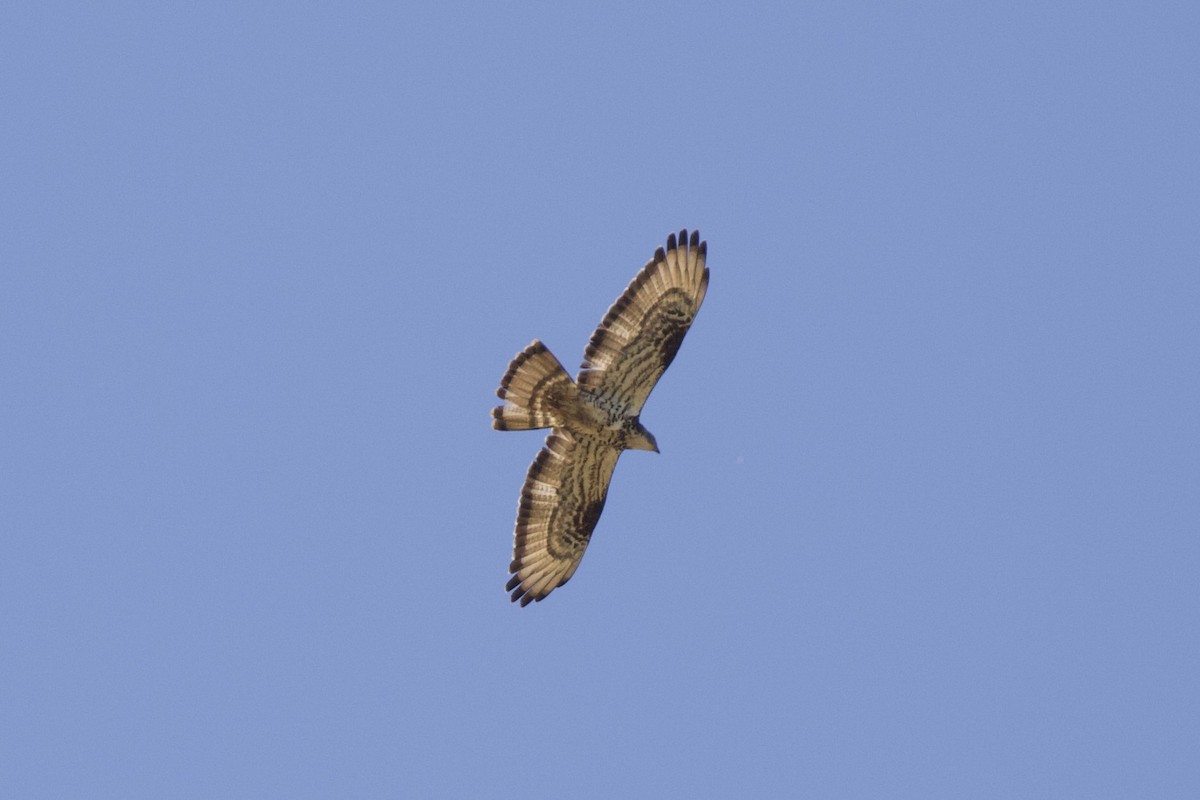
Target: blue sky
[{"x": 925, "y": 519}]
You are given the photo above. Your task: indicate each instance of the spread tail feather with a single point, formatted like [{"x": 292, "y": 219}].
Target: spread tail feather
[{"x": 533, "y": 390}]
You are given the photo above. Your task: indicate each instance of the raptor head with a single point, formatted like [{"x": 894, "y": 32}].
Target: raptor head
[{"x": 638, "y": 438}]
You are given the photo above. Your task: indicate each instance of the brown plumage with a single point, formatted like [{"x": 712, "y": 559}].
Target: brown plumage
[{"x": 594, "y": 417}]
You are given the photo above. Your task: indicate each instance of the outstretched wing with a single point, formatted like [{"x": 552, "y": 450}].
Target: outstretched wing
[
  {"x": 561, "y": 501},
  {"x": 640, "y": 334}
]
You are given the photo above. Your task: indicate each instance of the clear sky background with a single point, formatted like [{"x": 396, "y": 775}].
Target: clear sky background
[{"x": 925, "y": 522}]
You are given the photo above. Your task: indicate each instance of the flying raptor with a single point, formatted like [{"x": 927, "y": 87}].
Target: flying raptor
[{"x": 594, "y": 417}]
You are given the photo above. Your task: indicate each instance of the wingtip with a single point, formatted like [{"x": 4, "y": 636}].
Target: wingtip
[
  {"x": 685, "y": 238},
  {"x": 522, "y": 597}
]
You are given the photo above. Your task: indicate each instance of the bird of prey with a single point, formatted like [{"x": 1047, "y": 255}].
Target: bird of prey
[{"x": 594, "y": 417}]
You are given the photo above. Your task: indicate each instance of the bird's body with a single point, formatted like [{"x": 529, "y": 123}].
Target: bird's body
[{"x": 595, "y": 417}]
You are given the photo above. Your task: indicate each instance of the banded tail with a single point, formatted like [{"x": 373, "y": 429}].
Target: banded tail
[{"x": 533, "y": 390}]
